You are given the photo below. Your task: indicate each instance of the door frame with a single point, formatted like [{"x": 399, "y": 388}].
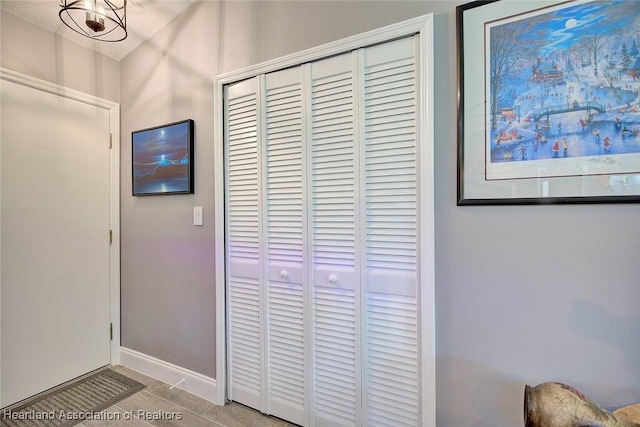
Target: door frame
[
  {"x": 114, "y": 190},
  {"x": 423, "y": 26}
]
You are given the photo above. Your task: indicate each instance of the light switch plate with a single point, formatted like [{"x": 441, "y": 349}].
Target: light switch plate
[{"x": 197, "y": 215}]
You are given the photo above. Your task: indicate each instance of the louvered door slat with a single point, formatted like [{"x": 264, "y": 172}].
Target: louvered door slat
[
  {"x": 286, "y": 349},
  {"x": 392, "y": 361},
  {"x": 391, "y": 227},
  {"x": 334, "y": 356},
  {"x": 285, "y": 244}
]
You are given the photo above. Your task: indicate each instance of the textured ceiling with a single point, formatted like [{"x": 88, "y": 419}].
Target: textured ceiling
[{"x": 144, "y": 19}]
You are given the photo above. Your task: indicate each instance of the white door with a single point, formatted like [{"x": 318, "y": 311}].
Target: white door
[{"x": 54, "y": 294}]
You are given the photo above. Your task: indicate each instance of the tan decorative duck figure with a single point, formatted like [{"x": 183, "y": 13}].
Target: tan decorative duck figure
[{"x": 559, "y": 405}]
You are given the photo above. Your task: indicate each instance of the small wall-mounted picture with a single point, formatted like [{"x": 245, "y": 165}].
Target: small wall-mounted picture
[{"x": 162, "y": 159}]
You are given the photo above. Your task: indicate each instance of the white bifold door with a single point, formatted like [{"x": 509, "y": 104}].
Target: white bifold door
[{"x": 323, "y": 214}]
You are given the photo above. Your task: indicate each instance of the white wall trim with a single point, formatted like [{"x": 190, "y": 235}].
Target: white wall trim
[
  {"x": 219, "y": 232},
  {"x": 43, "y": 85},
  {"x": 169, "y": 373},
  {"x": 380, "y": 35},
  {"x": 426, "y": 231},
  {"x": 114, "y": 223},
  {"x": 114, "y": 186},
  {"x": 422, "y": 25}
]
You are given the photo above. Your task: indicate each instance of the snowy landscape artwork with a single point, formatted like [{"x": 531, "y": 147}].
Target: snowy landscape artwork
[{"x": 562, "y": 91}]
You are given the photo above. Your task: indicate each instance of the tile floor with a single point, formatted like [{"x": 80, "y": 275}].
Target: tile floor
[{"x": 178, "y": 408}]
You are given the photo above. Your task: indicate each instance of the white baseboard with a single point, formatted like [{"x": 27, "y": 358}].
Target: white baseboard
[{"x": 166, "y": 372}]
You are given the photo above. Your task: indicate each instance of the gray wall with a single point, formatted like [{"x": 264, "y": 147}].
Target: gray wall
[
  {"x": 168, "y": 291},
  {"x": 33, "y": 51},
  {"x": 525, "y": 294}
]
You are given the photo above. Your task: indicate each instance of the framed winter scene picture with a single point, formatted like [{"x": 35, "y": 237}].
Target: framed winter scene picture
[
  {"x": 162, "y": 159},
  {"x": 548, "y": 102}
]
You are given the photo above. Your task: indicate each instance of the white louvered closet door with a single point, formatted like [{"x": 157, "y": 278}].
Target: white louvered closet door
[
  {"x": 333, "y": 172},
  {"x": 244, "y": 245},
  {"x": 285, "y": 189},
  {"x": 390, "y": 206},
  {"x": 322, "y": 239},
  {"x": 364, "y": 237},
  {"x": 265, "y": 244}
]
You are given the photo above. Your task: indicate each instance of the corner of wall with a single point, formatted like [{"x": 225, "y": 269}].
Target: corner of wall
[{"x": 169, "y": 373}]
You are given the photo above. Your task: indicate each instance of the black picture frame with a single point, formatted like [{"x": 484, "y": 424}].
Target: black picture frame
[
  {"x": 489, "y": 173},
  {"x": 162, "y": 159}
]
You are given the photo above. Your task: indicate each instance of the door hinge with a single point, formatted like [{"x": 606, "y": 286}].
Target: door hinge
[
  {"x": 110, "y": 140},
  {"x": 111, "y": 331},
  {"x": 110, "y": 236}
]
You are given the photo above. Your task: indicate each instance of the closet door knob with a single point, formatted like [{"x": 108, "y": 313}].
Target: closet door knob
[
  {"x": 284, "y": 274},
  {"x": 333, "y": 278}
]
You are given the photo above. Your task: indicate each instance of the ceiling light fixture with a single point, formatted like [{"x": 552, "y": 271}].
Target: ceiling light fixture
[{"x": 104, "y": 20}]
